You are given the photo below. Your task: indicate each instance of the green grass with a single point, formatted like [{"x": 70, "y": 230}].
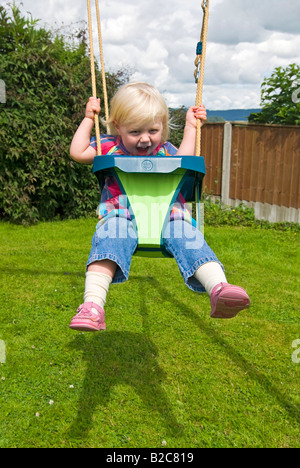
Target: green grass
[{"x": 163, "y": 370}]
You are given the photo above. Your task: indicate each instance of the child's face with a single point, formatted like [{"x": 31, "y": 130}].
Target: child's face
[{"x": 140, "y": 141}]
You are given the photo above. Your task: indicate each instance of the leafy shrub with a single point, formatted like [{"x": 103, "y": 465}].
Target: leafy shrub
[
  {"x": 280, "y": 97},
  {"x": 218, "y": 214},
  {"x": 47, "y": 86}
]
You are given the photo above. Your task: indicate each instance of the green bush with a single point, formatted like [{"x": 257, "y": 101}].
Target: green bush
[
  {"x": 218, "y": 214},
  {"x": 279, "y": 97},
  {"x": 47, "y": 86}
]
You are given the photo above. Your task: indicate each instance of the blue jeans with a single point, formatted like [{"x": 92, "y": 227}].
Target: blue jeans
[{"x": 117, "y": 240}]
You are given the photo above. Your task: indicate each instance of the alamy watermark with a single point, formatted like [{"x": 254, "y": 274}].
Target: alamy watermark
[
  {"x": 296, "y": 354},
  {"x": 296, "y": 93},
  {"x": 2, "y": 92},
  {"x": 2, "y": 352},
  {"x": 154, "y": 218}
]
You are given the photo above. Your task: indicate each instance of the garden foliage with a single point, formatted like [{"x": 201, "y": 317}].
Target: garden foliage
[
  {"x": 280, "y": 97},
  {"x": 47, "y": 84}
]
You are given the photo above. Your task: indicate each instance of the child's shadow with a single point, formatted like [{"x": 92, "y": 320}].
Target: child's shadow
[{"x": 119, "y": 357}]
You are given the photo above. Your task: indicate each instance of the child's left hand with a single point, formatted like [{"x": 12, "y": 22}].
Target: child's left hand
[{"x": 196, "y": 113}]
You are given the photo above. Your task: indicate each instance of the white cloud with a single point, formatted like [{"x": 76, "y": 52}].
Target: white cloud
[{"x": 157, "y": 40}]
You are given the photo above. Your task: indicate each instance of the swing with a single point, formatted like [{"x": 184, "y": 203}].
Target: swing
[{"x": 151, "y": 183}]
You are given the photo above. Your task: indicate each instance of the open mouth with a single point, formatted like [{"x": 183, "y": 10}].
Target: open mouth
[{"x": 143, "y": 151}]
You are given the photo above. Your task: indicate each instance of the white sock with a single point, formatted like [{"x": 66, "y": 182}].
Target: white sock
[
  {"x": 96, "y": 287},
  {"x": 209, "y": 275}
]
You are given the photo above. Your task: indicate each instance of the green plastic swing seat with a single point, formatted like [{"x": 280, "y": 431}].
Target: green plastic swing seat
[{"x": 152, "y": 185}]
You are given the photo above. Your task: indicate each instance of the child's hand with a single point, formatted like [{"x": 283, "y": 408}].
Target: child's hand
[
  {"x": 193, "y": 114},
  {"x": 92, "y": 108}
]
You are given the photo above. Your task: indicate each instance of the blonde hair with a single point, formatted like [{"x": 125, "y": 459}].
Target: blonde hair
[{"x": 138, "y": 104}]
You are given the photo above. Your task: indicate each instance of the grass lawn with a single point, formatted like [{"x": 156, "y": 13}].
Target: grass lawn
[{"x": 163, "y": 370}]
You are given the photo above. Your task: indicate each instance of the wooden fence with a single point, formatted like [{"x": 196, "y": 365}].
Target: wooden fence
[{"x": 255, "y": 164}]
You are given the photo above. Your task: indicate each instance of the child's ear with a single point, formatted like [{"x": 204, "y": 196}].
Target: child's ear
[{"x": 117, "y": 127}]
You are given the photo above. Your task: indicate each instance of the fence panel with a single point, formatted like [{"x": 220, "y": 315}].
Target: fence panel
[
  {"x": 212, "y": 149},
  {"x": 265, "y": 164}
]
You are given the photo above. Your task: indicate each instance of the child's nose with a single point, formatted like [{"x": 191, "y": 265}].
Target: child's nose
[{"x": 145, "y": 137}]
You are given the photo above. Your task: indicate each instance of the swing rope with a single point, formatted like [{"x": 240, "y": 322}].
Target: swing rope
[
  {"x": 199, "y": 72},
  {"x": 102, "y": 61},
  {"x": 93, "y": 72},
  {"x": 93, "y": 75}
]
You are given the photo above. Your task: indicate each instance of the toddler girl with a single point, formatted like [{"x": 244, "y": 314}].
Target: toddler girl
[{"x": 139, "y": 126}]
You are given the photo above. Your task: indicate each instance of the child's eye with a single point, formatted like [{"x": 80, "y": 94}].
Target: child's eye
[
  {"x": 153, "y": 131},
  {"x": 134, "y": 132}
]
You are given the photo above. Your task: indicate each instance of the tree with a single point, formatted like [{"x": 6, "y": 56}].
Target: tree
[
  {"x": 177, "y": 118},
  {"x": 47, "y": 83},
  {"x": 280, "y": 97}
]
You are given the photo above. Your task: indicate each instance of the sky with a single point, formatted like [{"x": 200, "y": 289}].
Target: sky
[{"x": 156, "y": 40}]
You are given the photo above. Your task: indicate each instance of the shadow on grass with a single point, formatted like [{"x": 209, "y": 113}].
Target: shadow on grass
[
  {"x": 233, "y": 352},
  {"x": 114, "y": 358},
  {"x": 122, "y": 357}
]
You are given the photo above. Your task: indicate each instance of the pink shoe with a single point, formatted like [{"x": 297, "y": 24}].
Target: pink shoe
[
  {"x": 87, "y": 320},
  {"x": 227, "y": 300}
]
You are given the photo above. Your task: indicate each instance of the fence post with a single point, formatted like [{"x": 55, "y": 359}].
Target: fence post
[{"x": 226, "y": 163}]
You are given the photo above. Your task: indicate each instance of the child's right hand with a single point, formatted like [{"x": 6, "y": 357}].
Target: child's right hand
[{"x": 92, "y": 108}]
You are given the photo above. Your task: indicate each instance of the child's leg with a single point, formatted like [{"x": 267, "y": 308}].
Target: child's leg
[
  {"x": 90, "y": 315},
  {"x": 201, "y": 270},
  {"x": 209, "y": 275},
  {"x": 226, "y": 299},
  {"x": 192, "y": 254},
  {"x": 112, "y": 248},
  {"x": 98, "y": 278}
]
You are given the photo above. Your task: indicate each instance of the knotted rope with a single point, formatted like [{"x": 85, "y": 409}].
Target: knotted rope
[
  {"x": 102, "y": 61},
  {"x": 93, "y": 72},
  {"x": 199, "y": 72}
]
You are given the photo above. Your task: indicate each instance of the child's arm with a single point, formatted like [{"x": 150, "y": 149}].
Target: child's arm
[
  {"x": 80, "y": 149},
  {"x": 188, "y": 144}
]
